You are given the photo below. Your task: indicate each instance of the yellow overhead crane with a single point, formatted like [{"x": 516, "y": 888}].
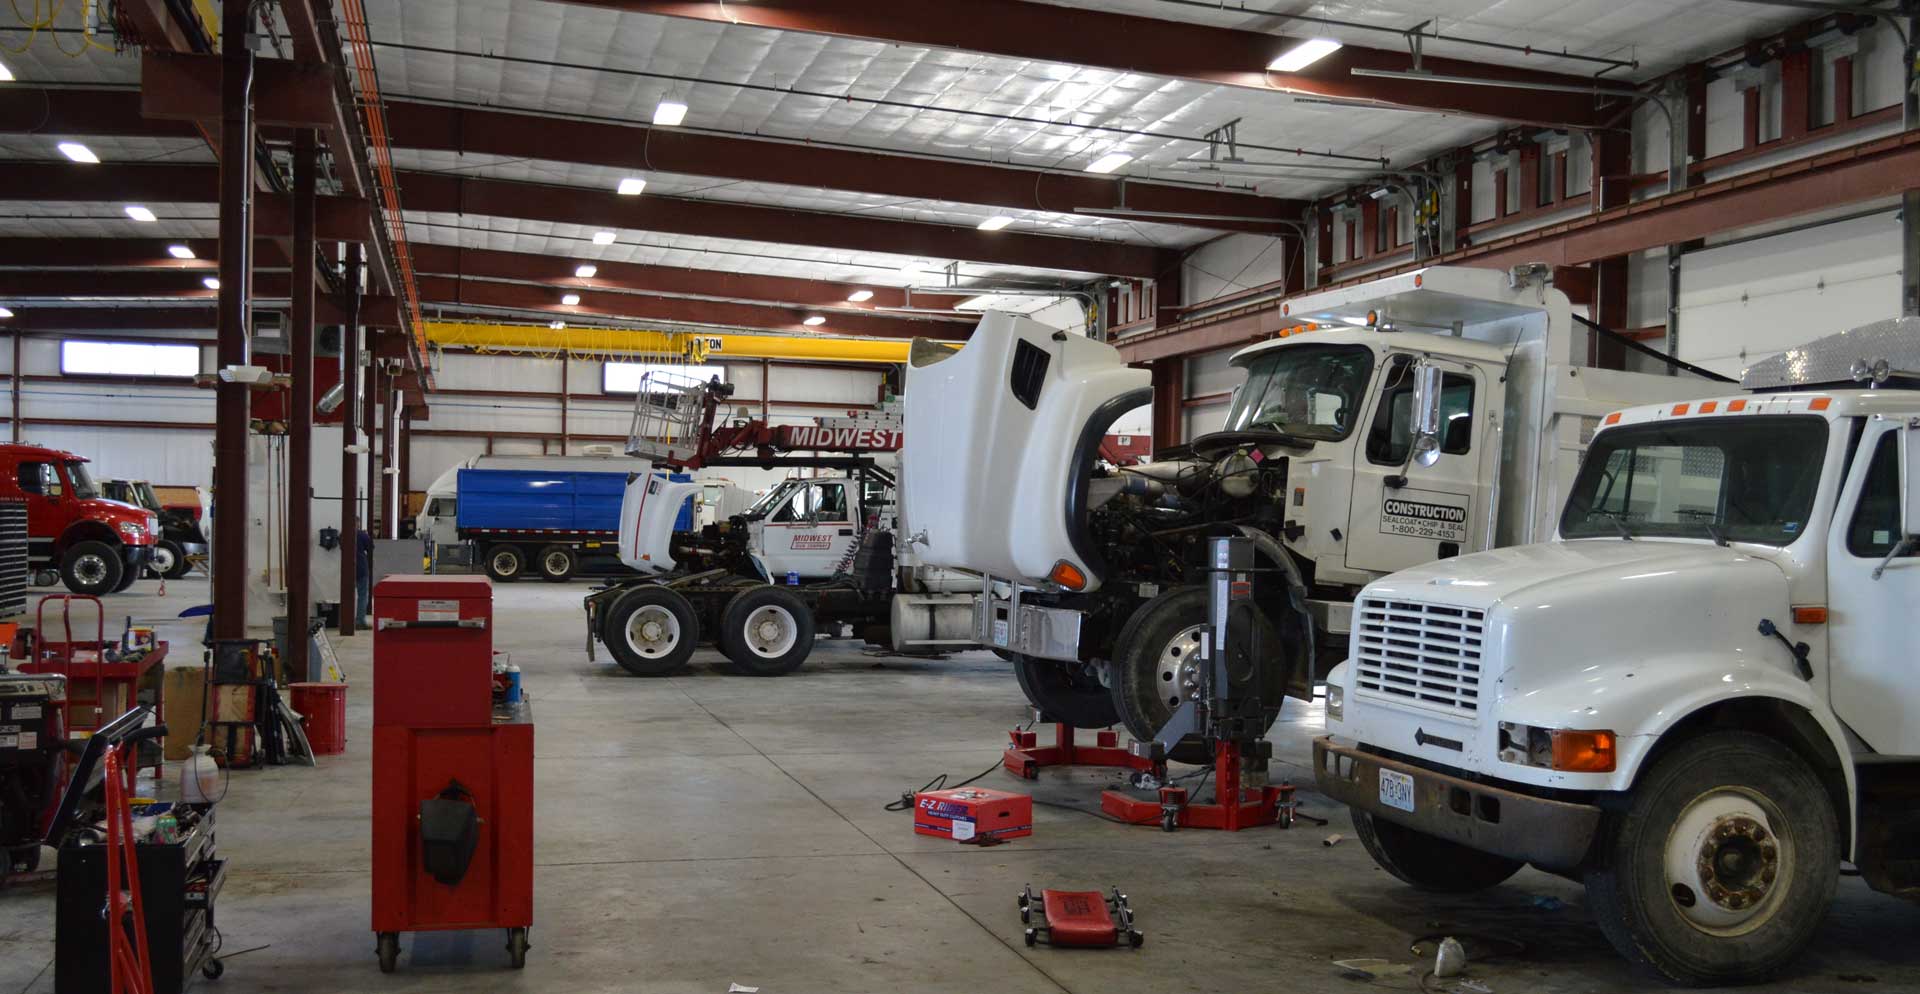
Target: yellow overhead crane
[{"x": 696, "y": 346}]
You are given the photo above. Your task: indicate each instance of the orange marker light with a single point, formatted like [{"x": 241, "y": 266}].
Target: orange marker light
[
  {"x": 1810, "y": 614},
  {"x": 1679, "y": 409},
  {"x": 1583, "y": 752},
  {"x": 1373, "y": 319},
  {"x": 1709, "y": 407},
  {"x": 1068, "y": 575},
  {"x": 1613, "y": 419},
  {"x": 1819, "y": 403},
  {"x": 1418, "y": 279},
  {"x": 1736, "y": 406}
]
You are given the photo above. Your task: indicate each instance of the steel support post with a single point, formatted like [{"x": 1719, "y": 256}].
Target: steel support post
[
  {"x": 231, "y": 399},
  {"x": 350, "y": 460},
  {"x": 300, "y": 417}
]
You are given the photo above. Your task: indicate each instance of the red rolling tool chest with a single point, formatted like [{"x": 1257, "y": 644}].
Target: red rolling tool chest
[{"x": 452, "y": 770}]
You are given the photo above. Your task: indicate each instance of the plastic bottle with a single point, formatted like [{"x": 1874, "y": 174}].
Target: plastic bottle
[
  {"x": 513, "y": 683},
  {"x": 200, "y": 778}
]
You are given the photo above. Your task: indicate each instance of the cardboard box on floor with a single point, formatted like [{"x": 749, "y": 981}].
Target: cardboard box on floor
[{"x": 185, "y": 709}]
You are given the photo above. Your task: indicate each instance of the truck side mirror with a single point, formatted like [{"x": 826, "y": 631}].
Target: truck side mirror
[
  {"x": 1910, "y": 479},
  {"x": 1425, "y": 427}
]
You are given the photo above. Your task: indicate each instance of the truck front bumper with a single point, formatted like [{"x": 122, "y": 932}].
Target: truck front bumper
[
  {"x": 135, "y": 556},
  {"x": 1550, "y": 834}
]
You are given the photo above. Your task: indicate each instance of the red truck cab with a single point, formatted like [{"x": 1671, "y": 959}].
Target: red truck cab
[{"x": 99, "y": 546}]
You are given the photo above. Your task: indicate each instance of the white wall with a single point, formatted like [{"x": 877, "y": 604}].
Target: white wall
[{"x": 153, "y": 446}]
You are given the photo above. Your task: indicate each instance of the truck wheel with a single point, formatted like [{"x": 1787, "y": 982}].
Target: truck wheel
[
  {"x": 91, "y": 568},
  {"x": 1723, "y": 865},
  {"x": 127, "y": 576},
  {"x": 168, "y": 560},
  {"x": 651, "y": 631},
  {"x": 1157, "y": 659},
  {"x": 766, "y": 631},
  {"x": 1063, "y": 691},
  {"x": 506, "y": 562},
  {"x": 557, "y": 563},
  {"x": 1427, "y": 863}
]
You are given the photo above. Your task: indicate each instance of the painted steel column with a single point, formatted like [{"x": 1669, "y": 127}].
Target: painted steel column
[
  {"x": 15, "y": 392},
  {"x": 349, "y": 461},
  {"x": 370, "y": 423},
  {"x": 1169, "y": 377},
  {"x": 231, "y": 400},
  {"x": 1910, "y": 203},
  {"x": 300, "y": 530},
  {"x": 390, "y": 460},
  {"x": 566, "y": 363}
]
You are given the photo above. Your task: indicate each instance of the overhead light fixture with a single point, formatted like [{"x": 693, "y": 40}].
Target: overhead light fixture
[
  {"x": 815, "y": 321},
  {"x": 631, "y": 186},
  {"x": 669, "y": 113},
  {"x": 1109, "y": 162},
  {"x": 139, "y": 213},
  {"x": 211, "y": 282},
  {"x": 603, "y": 238},
  {"x": 4, "y": 313},
  {"x": 1380, "y": 194},
  {"x": 860, "y": 296},
  {"x": 78, "y": 152},
  {"x": 6, "y": 75},
  {"x": 571, "y": 300},
  {"x": 180, "y": 251},
  {"x": 556, "y": 325},
  {"x": 1303, "y": 55},
  {"x": 585, "y": 270},
  {"x": 995, "y": 223}
]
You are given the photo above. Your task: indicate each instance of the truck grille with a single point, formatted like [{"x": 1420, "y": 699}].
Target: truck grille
[{"x": 1427, "y": 655}]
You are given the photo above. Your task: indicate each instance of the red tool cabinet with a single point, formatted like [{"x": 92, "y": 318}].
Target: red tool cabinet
[{"x": 438, "y": 737}]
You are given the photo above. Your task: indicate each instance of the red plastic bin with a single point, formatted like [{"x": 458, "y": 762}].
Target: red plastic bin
[{"x": 323, "y": 710}]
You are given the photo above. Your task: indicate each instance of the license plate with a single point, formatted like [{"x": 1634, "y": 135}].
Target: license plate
[{"x": 1396, "y": 790}]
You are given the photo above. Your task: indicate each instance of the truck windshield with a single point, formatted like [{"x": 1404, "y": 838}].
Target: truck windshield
[
  {"x": 83, "y": 485},
  {"x": 1744, "y": 479},
  {"x": 148, "y": 499},
  {"x": 771, "y": 499},
  {"x": 1313, "y": 391}
]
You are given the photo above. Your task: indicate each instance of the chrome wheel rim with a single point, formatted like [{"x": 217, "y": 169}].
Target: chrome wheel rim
[
  {"x": 90, "y": 570},
  {"x": 1178, "y": 675}
]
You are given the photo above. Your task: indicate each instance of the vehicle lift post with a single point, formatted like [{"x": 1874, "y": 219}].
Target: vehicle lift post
[{"x": 1232, "y": 725}]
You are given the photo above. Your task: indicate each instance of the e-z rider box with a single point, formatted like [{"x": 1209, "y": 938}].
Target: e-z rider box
[{"x": 966, "y": 813}]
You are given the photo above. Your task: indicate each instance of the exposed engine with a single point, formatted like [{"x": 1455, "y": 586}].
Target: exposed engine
[{"x": 1150, "y": 522}]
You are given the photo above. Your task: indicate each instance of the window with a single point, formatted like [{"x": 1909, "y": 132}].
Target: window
[
  {"x": 815, "y": 502},
  {"x": 1311, "y": 391},
  {"x": 441, "y": 507},
  {"x": 1389, "y": 438},
  {"x": 1749, "y": 479},
  {"x": 1875, "y": 527},
  {"x": 39, "y": 478},
  {"x": 83, "y": 485},
  {"x": 624, "y": 377},
  {"x": 84, "y": 358}
]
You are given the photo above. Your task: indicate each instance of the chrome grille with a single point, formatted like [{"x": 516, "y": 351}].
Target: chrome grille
[{"x": 1426, "y": 655}]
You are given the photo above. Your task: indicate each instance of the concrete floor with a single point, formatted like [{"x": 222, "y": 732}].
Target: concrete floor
[{"x": 712, "y": 829}]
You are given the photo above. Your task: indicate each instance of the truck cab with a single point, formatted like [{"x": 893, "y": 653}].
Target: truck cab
[
  {"x": 804, "y": 528},
  {"x": 1694, "y": 698},
  {"x": 99, "y": 546},
  {"x": 179, "y": 534}
]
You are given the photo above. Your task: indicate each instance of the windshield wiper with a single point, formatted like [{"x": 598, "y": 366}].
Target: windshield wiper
[
  {"x": 1713, "y": 530},
  {"x": 1618, "y": 518}
]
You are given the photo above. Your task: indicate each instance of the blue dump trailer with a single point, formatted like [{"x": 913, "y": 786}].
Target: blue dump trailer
[{"x": 552, "y": 523}]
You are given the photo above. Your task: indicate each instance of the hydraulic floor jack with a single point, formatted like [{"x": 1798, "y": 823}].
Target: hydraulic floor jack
[{"x": 1232, "y": 725}]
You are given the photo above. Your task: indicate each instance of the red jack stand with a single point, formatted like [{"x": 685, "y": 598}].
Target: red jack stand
[
  {"x": 1026, "y": 756},
  {"x": 1249, "y": 807}
]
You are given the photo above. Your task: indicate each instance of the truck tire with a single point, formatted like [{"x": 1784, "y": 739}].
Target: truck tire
[
  {"x": 1063, "y": 692},
  {"x": 505, "y": 563},
  {"x": 651, "y": 631},
  {"x": 766, "y": 631},
  {"x": 127, "y": 576},
  {"x": 557, "y": 563},
  {"x": 1423, "y": 862},
  {"x": 1158, "y": 645},
  {"x": 92, "y": 568},
  {"x": 1722, "y": 866},
  {"x": 169, "y": 560}
]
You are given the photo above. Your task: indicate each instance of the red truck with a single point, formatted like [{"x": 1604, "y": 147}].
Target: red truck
[{"x": 99, "y": 546}]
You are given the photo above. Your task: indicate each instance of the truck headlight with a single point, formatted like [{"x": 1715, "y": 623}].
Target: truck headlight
[
  {"x": 132, "y": 530},
  {"x": 1336, "y": 702},
  {"x": 1570, "y": 749}
]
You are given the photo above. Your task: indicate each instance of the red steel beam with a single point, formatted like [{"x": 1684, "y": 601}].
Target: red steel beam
[
  {"x": 437, "y": 192},
  {"x": 103, "y": 113},
  {"x": 454, "y": 292},
  {"x": 71, "y": 317},
  {"x": 105, "y": 253},
  {"x": 676, "y": 150},
  {"x": 339, "y": 219},
  {"x": 185, "y": 87},
  {"x": 1868, "y": 171},
  {"x": 1127, "y": 43},
  {"x": 448, "y": 260}
]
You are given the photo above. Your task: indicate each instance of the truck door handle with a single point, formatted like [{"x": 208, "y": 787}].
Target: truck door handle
[{"x": 846, "y": 531}]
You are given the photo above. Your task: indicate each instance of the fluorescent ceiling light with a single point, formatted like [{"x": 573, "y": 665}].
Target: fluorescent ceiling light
[
  {"x": 139, "y": 213},
  {"x": 1109, "y": 162},
  {"x": 6, "y": 75},
  {"x": 585, "y": 270},
  {"x": 669, "y": 113},
  {"x": 860, "y": 296},
  {"x": 180, "y": 251},
  {"x": 556, "y": 325},
  {"x": 603, "y": 238},
  {"x": 995, "y": 223},
  {"x": 631, "y": 186},
  {"x": 814, "y": 321},
  {"x": 571, "y": 300},
  {"x": 1303, "y": 55},
  {"x": 78, "y": 152},
  {"x": 4, "y": 313},
  {"x": 211, "y": 282}
]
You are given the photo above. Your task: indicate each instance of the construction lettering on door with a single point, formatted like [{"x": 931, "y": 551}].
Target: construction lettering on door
[
  {"x": 805, "y": 542},
  {"x": 1432, "y": 515}
]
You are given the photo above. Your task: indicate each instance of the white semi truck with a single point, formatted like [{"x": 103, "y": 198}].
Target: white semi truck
[
  {"x": 1695, "y": 698},
  {"x": 1096, "y": 587}
]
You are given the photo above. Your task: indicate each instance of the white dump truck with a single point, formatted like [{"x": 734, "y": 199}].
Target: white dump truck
[
  {"x": 1096, "y": 578},
  {"x": 1695, "y": 698}
]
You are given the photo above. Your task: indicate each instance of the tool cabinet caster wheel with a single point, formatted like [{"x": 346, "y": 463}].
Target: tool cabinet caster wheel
[
  {"x": 1030, "y": 937},
  {"x": 1026, "y": 915},
  {"x": 389, "y": 948},
  {"x": 1169, "y": 821},
  {"x": 1134, "y": 939},
  {"x": 517, "y": 947},
  {"x": 213, "y": 969}
]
